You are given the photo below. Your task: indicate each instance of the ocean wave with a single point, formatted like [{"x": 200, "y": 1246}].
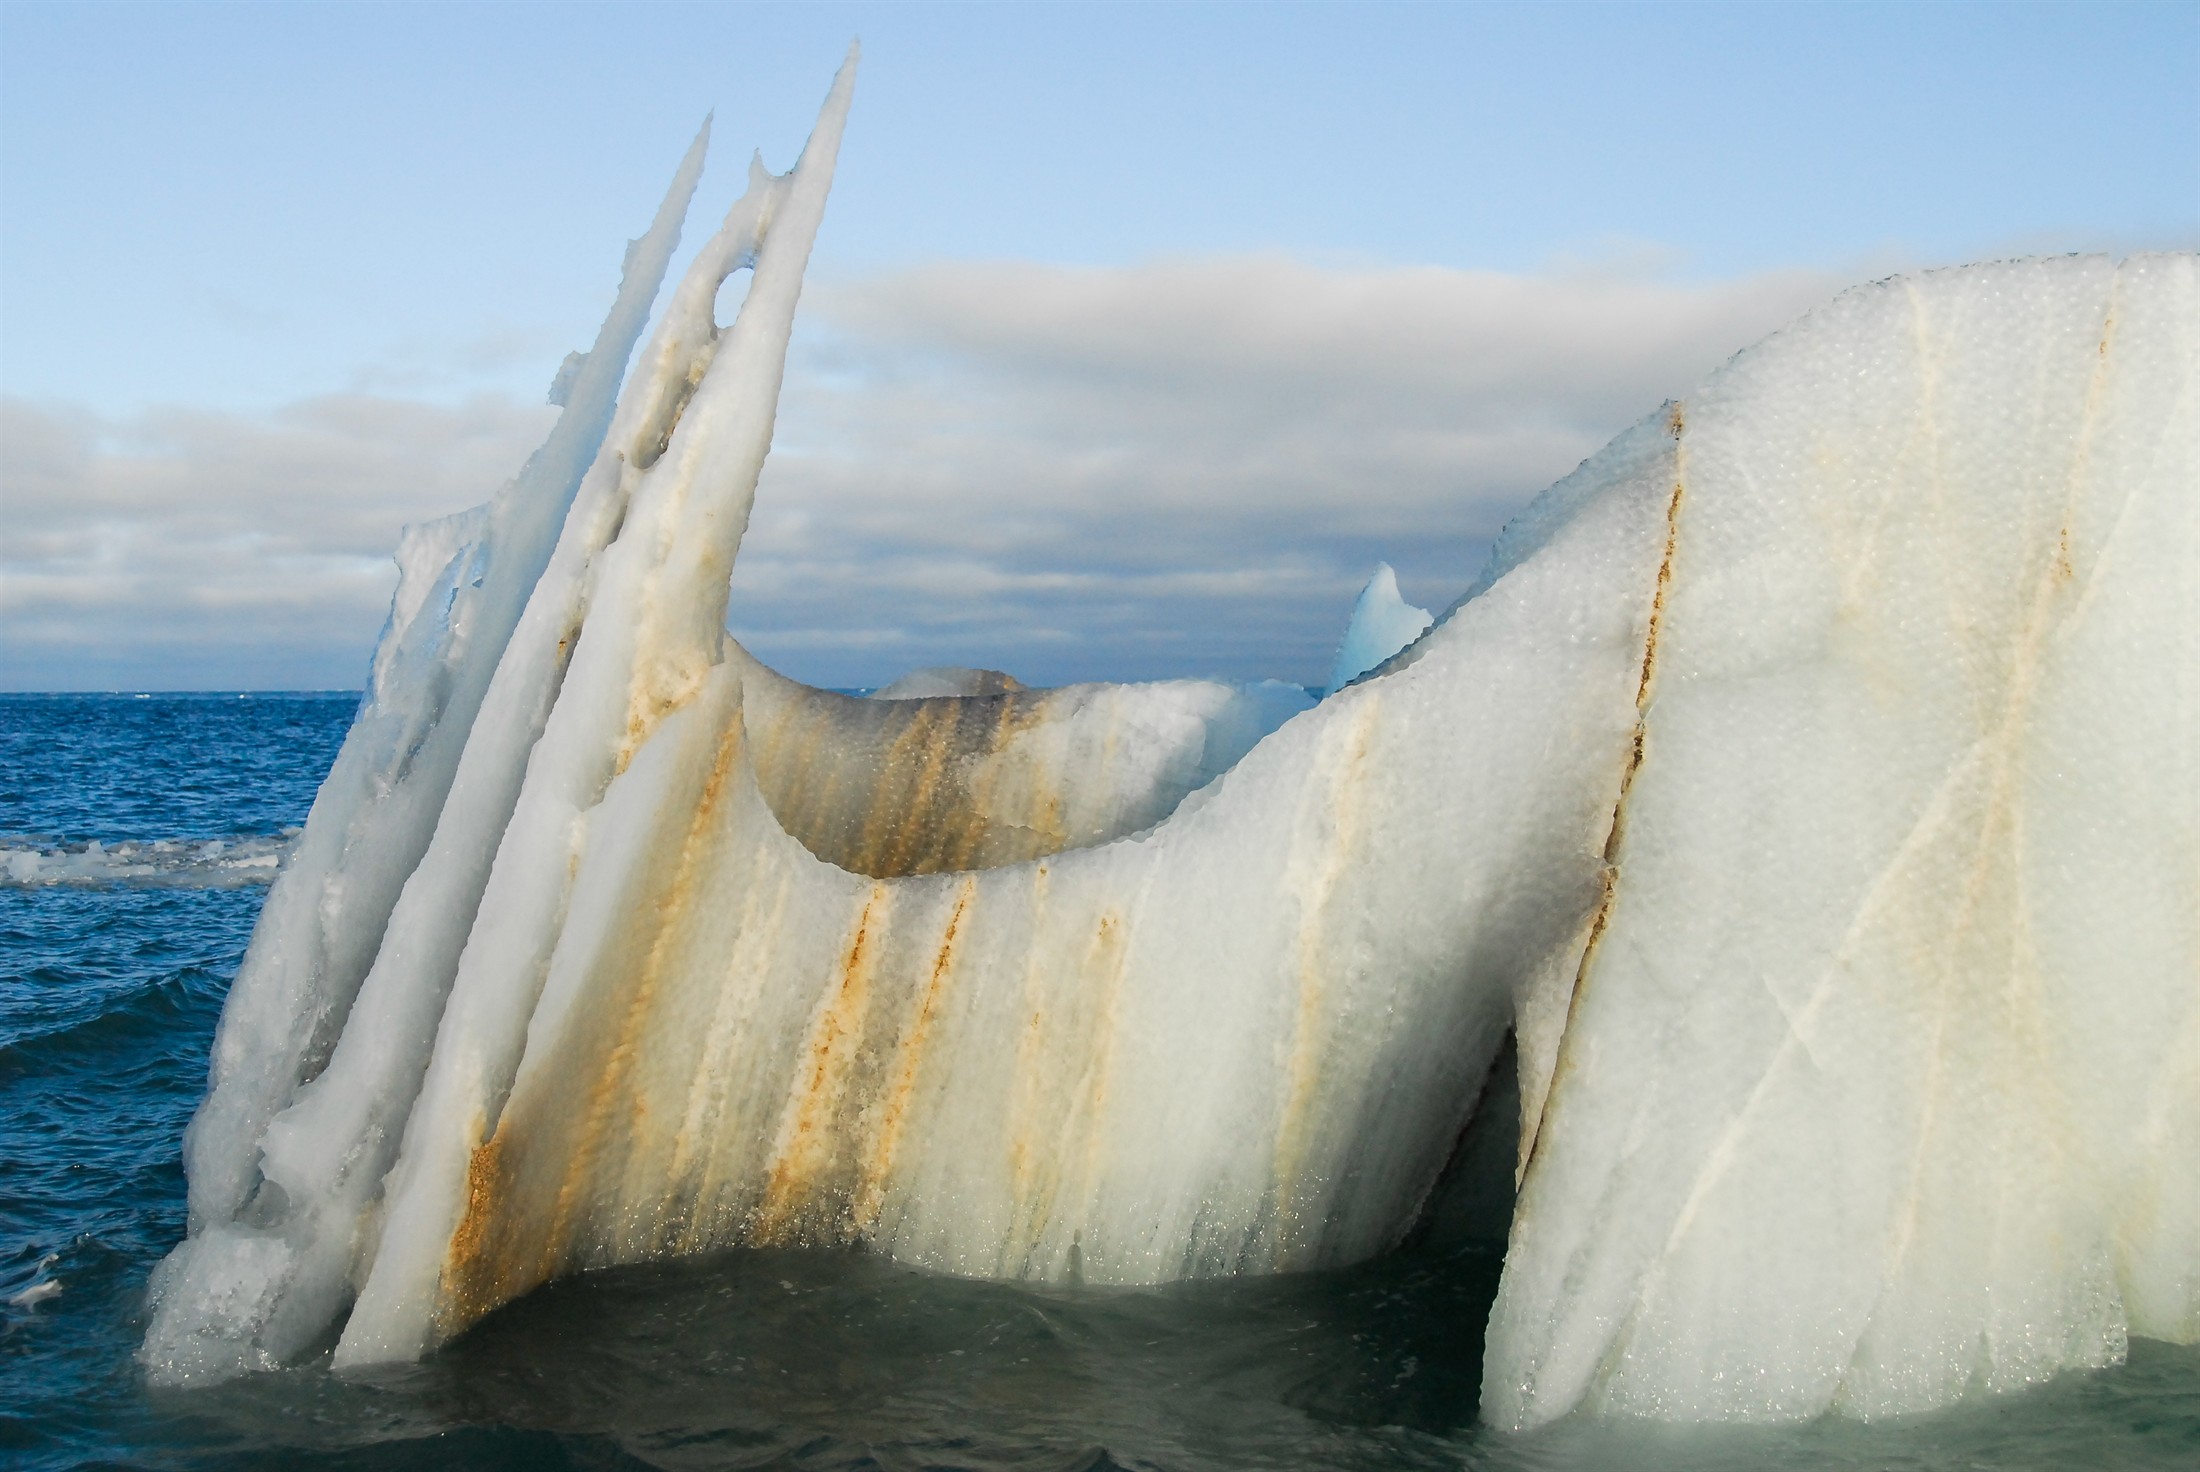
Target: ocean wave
[{"x": 159, "y": 863}]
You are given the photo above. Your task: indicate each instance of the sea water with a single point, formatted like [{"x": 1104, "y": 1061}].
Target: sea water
[{"x": 136, "y": 835}]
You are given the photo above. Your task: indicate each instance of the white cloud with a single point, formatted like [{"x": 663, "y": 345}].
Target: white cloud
[
  {"x": 1177, "y": 467},
  {"x": 182, "y": 549},
  {"x": 1189, "y": 465}
]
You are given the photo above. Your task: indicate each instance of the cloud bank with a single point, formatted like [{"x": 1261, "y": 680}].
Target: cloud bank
[
  {"x": 1182, "y": 467},
  {"x": 194, "y": 550}
]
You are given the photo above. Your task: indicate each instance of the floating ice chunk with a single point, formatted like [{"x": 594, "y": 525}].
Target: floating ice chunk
[
  {"x": 1382, "y": 624},
  {"x": 947, "y": 680},
  {"x": 36, "y": 1294}
]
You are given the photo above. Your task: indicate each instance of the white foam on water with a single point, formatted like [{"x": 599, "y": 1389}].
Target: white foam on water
[
  {"x": 37, "y": 1293},
  {"x": 158, "y": 863}
]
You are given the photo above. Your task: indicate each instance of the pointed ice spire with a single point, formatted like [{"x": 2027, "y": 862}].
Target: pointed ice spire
[
  {"x": 647, "y": 626},
  {"x": 463, "y": 581},
  {"x": 1382, "y": 624}
]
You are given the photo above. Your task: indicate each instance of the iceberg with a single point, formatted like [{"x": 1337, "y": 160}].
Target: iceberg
[
  {"x": 1803, "y": 795},
  {"x": 1382, "y": 624}
]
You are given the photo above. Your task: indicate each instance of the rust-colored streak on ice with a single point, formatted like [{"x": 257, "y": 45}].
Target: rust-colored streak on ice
[
  {"x": 808, "y": 1141},
  {"x": 536, "y": 1188},
  {"x": 980, "y": 837},
  {"x": 669, "y": 666},
  {"x": 1615, "y": 837},
  {"x": 893, "y": 1109},
  {"x": 888, "y": 788},
  {"x": 1030, "y": 1049},
  {"x": 474, "y": 1279},
  {"x": 1110, "y": 953},
  {"x": 886, "y": 821},
  {"x": 925, "y": 817},
  {"x": 807, "y": 794},
  {"x": 1347, "y": 811},
  {"x": 1064, "y": 1069},
  {"x": 716, "y": 1151},
  {"x": 927, "y": 820},
  {"x": 615, "y": 1116}
]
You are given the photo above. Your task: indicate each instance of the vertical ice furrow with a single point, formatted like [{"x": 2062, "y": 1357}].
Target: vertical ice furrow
[
  {"x": 1995, "y": 836},
  {"x": 653, "y": 627},
  {"x": 325, "y": 915},
  {"x": 412, "y": 777}
]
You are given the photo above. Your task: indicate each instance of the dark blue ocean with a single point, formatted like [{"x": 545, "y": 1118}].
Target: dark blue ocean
[{"x": 137, "y": 834}]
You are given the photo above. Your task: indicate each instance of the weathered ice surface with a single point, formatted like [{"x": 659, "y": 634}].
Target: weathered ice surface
[
  {"x": 458, "y": 646},
  {"x": 257, "y": 1283},
  {"x": 1243, "y": 1041},
  {"x": 462, "y": 583},
  {"x": 1806, "y": 787},
  {"x": 1882, "y": 1081}
]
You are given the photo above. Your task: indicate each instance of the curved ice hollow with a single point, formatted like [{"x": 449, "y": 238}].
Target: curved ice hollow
[
  {"x": 1807, "y": 783},
  {"x": 921, "y": 784},
  {"x": 464, "y": 582}
]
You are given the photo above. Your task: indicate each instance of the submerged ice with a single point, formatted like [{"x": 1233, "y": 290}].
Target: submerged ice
[{"x": 1805, "y": 787}]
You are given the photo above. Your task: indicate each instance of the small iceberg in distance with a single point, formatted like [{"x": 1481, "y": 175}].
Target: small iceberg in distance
[
  {"x": 1803, "y": 796},
  {"x": 1382, "y": 624},
  {"x": 938, "y": 680}
]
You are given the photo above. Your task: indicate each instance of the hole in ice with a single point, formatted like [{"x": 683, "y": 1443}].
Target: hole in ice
[{"x": 732, "y": 292}]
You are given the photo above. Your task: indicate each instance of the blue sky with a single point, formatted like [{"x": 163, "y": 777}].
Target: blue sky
[{"x": 321, "y": 259}]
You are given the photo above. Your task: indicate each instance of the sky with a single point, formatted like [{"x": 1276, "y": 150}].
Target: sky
[{"x": 1135, "y": 336}]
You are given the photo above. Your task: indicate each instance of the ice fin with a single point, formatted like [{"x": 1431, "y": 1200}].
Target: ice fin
[
  {"x": 1382, "y": 624},
  {"x": 328, "y": 918}
]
